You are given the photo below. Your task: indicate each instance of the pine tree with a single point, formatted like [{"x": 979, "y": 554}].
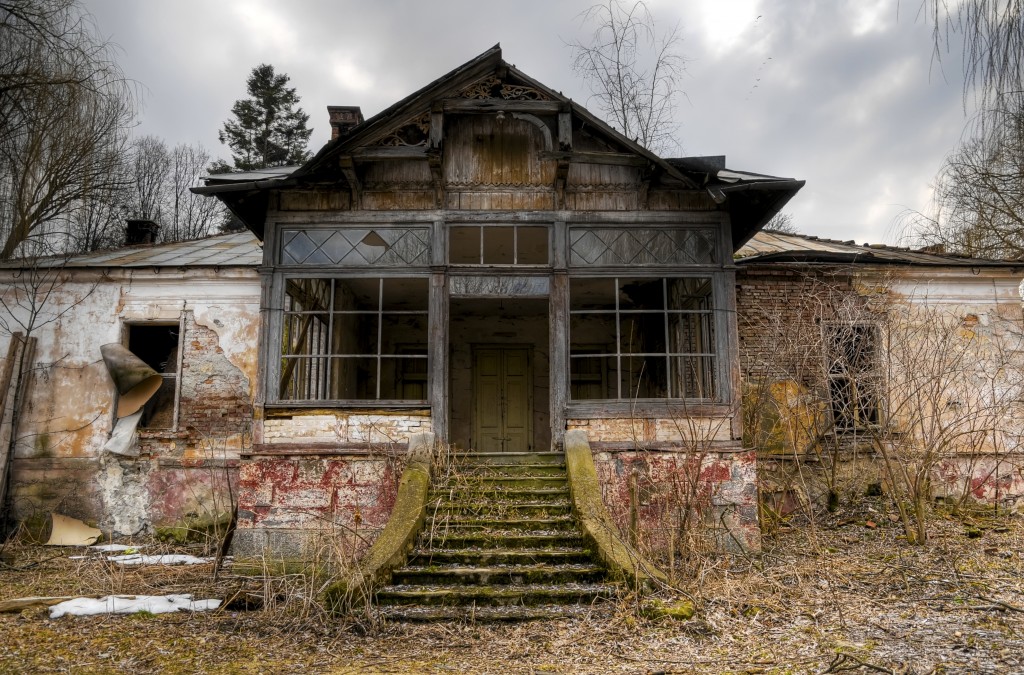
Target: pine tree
[{"x": 268, "y": 128}]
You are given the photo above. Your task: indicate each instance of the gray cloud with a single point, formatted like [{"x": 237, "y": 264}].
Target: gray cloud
[{"x": 849, "y": 100}]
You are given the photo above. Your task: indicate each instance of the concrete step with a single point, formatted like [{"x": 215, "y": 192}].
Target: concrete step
[
  {"x": 477, "y": 458},
  {"x": 503, "y": 509},
  {"x": 469, "y": 471},
  {"x": 500, "y": 493},
  {"x": 473, "y": 613},
  {"x": 452, "y": 523},
  {"x": 485, "y": 482},
  {"x": 505, "y": 540},
  {"x": 456, "y": 575},
  {"x": 499, "y": 556},
  {"x": 495, "y": 596}
]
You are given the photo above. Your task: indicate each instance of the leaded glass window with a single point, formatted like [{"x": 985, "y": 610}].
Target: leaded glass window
[
  {"x": 650, "y": 246},
  {"x": 356, "y": 246}
]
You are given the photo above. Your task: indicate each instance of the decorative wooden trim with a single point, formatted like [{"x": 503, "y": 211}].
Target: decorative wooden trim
[
  {"x": 386, "y": 152},
  {"x": 614, "y": 158},
  {"x": 494, "y": 105}
]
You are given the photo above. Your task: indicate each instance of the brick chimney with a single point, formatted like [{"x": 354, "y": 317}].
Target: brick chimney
[
  {"x": 139, "y": 231},
  {"x": 343, "y": 118}
]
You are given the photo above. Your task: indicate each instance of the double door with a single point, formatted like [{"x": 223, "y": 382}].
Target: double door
[{"x": 503, "y": 402}]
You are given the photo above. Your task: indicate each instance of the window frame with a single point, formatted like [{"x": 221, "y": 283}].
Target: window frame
[
  {"x": 829, "y": 330},
  {"x": 713, "y": 323},
  {"x": 126, "y": 326},
  {"x": 276, "y": 341},
  {"x": 481, "y": 227}
]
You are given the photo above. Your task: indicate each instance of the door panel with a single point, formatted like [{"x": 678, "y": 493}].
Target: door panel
[{"x": 503, "y": 409}]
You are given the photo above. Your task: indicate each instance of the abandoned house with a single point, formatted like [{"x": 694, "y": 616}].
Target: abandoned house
[{"x": 487, "y": 261}]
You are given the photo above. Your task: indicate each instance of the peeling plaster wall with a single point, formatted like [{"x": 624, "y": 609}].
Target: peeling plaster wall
[
  {"x": 68, "y": 415},
  {"x": 668, "y": 495},
  {"x": 314, "y": 507},
  {"x": 676, "y": 477},
  {"x": 345, "y": 427},
  {"x": 982, "y": 304}
]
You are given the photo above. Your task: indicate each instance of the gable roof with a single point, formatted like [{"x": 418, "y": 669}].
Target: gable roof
[{"x": 751, "y": 199}]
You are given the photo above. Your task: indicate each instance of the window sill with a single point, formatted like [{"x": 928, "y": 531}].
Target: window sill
[{"x": 646, "y": 408}]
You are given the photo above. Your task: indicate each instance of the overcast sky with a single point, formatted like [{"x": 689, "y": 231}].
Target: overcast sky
[{"x": 844, "y": 94}]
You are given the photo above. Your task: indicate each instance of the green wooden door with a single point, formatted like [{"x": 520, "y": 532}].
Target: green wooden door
[{"x": 502, "y": 388}]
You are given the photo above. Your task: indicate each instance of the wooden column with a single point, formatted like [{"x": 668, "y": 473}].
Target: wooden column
[
  {"x": 558, "y": 364},
  {"x": 438, "y": 355}
]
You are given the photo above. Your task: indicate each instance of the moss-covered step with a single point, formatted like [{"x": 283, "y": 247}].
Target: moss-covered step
[
  {"x": 449, "y": 575},
  {"x": 489, "y": 508},
  {"x": 471, "y": 458},
  {"x": 473, "y": 491},
  {"x": 490, "y": 481},
  {"x": 474, "y": 523},
  {"x": 499, "y": 556},
  {"x": 538, "y": 540},
  {"x": 520, "y": 594},
  {"x": 506, "y": 613},
  {"x": 471, "y": 471}
]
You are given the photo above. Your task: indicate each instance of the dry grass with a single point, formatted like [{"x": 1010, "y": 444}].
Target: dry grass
[{"x": 840, "y": 596}]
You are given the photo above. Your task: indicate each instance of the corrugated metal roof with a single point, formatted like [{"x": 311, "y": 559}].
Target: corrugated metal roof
[
  {"x": 240, "y": 249},
  {"x": 778, "y": 247}
]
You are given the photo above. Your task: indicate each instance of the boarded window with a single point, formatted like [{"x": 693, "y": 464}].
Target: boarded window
[
  {"x": 642, "y": 338},
  {"x": 498, "y": 245},
  {"x": 853, "y": 379},
  {"x": 354, "y": 339},
  {"x": 158, "y": 345}
]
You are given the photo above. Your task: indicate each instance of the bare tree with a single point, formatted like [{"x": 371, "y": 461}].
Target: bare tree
[
  {"x": 993, "y": 52},
  {"x": 192, "y": 215},
  {"x": 65, "y": 107},
  {"x": 633, "y": 71},
  {"x": 978, "y": 195}
]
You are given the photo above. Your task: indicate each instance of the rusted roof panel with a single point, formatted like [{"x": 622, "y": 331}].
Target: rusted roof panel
[
  {"x": 240, "y": 249},
  {"x": 765, "y": 247}
]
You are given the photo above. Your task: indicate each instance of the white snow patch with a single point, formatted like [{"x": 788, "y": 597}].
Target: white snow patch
[
  {"x": 129, "y": 604},
  {"x": 139, "y": 559},
  {"x": 112, "y": 548}
]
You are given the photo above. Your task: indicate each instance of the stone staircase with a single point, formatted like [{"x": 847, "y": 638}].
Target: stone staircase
[{"x": 500, "y": 543}]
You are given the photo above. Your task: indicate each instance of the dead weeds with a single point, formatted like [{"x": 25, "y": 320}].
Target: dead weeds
[{"x": 844, "y": 595}]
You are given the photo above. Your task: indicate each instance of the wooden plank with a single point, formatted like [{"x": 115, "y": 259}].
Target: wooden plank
[
  {"x": 6, "y": 384},
  {"x": 438, "y": 356},
  {"x": 565, "y": 130},
  {"x": 493, "y": 105},
  {"x": 612, "y": 158},
  {"x": 377, "y": 153},
  {"x": 18, "y": 384},
  {"x": 558, "y": 356}
]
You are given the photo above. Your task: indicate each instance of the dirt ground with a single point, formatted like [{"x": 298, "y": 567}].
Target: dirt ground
[{"x": 846, "y": 594}]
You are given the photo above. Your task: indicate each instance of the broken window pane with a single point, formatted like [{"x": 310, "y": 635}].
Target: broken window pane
[
  {"x": 158, "y": 346},
  {"x": 358, "y": 246},
  {"x": 851, "y": 355}
]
